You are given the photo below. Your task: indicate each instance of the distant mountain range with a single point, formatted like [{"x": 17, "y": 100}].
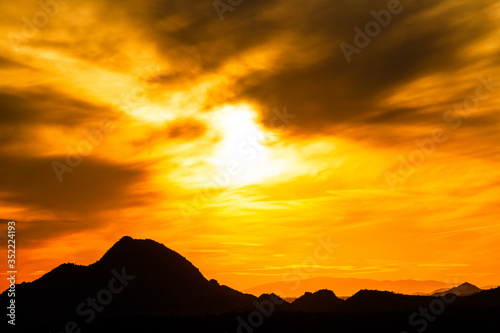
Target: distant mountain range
[
  {"x": 349, "y": 286},
  {"x": 139, "y": 282},
  {"x": 465, "y": 289}
]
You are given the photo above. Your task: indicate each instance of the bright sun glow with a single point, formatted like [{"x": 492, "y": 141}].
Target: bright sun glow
[{"x": 241, "y": 157}]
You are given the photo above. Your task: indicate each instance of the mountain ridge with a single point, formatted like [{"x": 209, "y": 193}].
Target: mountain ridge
[
  {"x": 155, "y": 280},
  {"x": 465, "y": 289},
  {"x": 349, "y": 286},
  {"x": 145, "y": 279}
]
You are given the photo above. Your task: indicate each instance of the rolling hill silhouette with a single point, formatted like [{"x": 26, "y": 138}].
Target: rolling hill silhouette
[
  {"x": 484, "y": 299},
  {"x": 371, "y": 301},
  {"x": 279, "y": 304},
  {"x": 321, "y": 301}
]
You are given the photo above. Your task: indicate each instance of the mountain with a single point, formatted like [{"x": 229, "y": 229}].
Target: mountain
[
  {"x": 347, "y": 286},
  {"x": 484, "y": 299},
  {"x": 374, "y": 301},
  {"x": 134, "y": 277},
  {"x": 141, "y": 285},
  {"x": 269, "y": 301},
  {"x": 320, "y": 301},
  {"x": 464, "y": 289}
]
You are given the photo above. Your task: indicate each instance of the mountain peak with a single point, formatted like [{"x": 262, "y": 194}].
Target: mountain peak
[
  {"x": 130, "y": 248},
  {"x": 157, "y": 279},
  {"x": 129, "y": 241},
  {"x": 465, "y": 289},
  {"x": 125, "y": 239},
  {"x": 323, "y": 300}
]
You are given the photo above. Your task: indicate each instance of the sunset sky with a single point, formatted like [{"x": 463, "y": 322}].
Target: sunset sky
[{"x": 245, "y": 136}]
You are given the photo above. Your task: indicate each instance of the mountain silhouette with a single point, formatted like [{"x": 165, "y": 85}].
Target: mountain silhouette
[
  {"x": 148, "y": 278},
  {"x": 371, "y": 301},
  {"x": 484, "y": 299},
  {"x": 321, "y": 301},
  {"x": 278, "y": 304},
  {"x": 464, "y": 289},
  {"x": 374, "y": 301},
  {"x": 141, "y": 285}
]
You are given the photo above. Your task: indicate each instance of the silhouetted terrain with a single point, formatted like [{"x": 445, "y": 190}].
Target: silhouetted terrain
[
  {"x": 151, "y": 279},
  {"x": 320, "y": 301},
  {"x": 142, "y": 286},
  {"x": 464, "y": 289}
]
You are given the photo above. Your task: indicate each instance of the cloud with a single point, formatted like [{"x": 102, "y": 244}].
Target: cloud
[
  {"x": 42, "y": 105},
  {"x": 305, "y": 68},
  {"x": 426, "y": 38},
  {"x": 182, "y": 130},
  {"x": 8, "y": 63},
  {"x": 95, "y": 185},
  {"x": 32, "y": 233}
]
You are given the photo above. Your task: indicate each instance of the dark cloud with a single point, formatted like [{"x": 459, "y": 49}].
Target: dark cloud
[
  {"x": 427, "y": 37},
  {"x": 32, "y": 233},
  {"x": 182, "y": 130},
  {"x": 188, "y": 35},
  {"x": 188, "y": 129},
  {"x": 42, "y": 105},
  {"x": 9, "y": 63},
  {"x": 202, "y": 37},
  {"x": 312, "y": 77},
  {"x": 93, "y": 185},
  {"x": 417, "y": 43}
]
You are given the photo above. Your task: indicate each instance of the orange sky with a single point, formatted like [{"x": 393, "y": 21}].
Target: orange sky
[{"x": 241, "y": 143}]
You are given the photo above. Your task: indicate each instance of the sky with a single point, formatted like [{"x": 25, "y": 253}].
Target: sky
[{"x": 260, "y": 140}]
